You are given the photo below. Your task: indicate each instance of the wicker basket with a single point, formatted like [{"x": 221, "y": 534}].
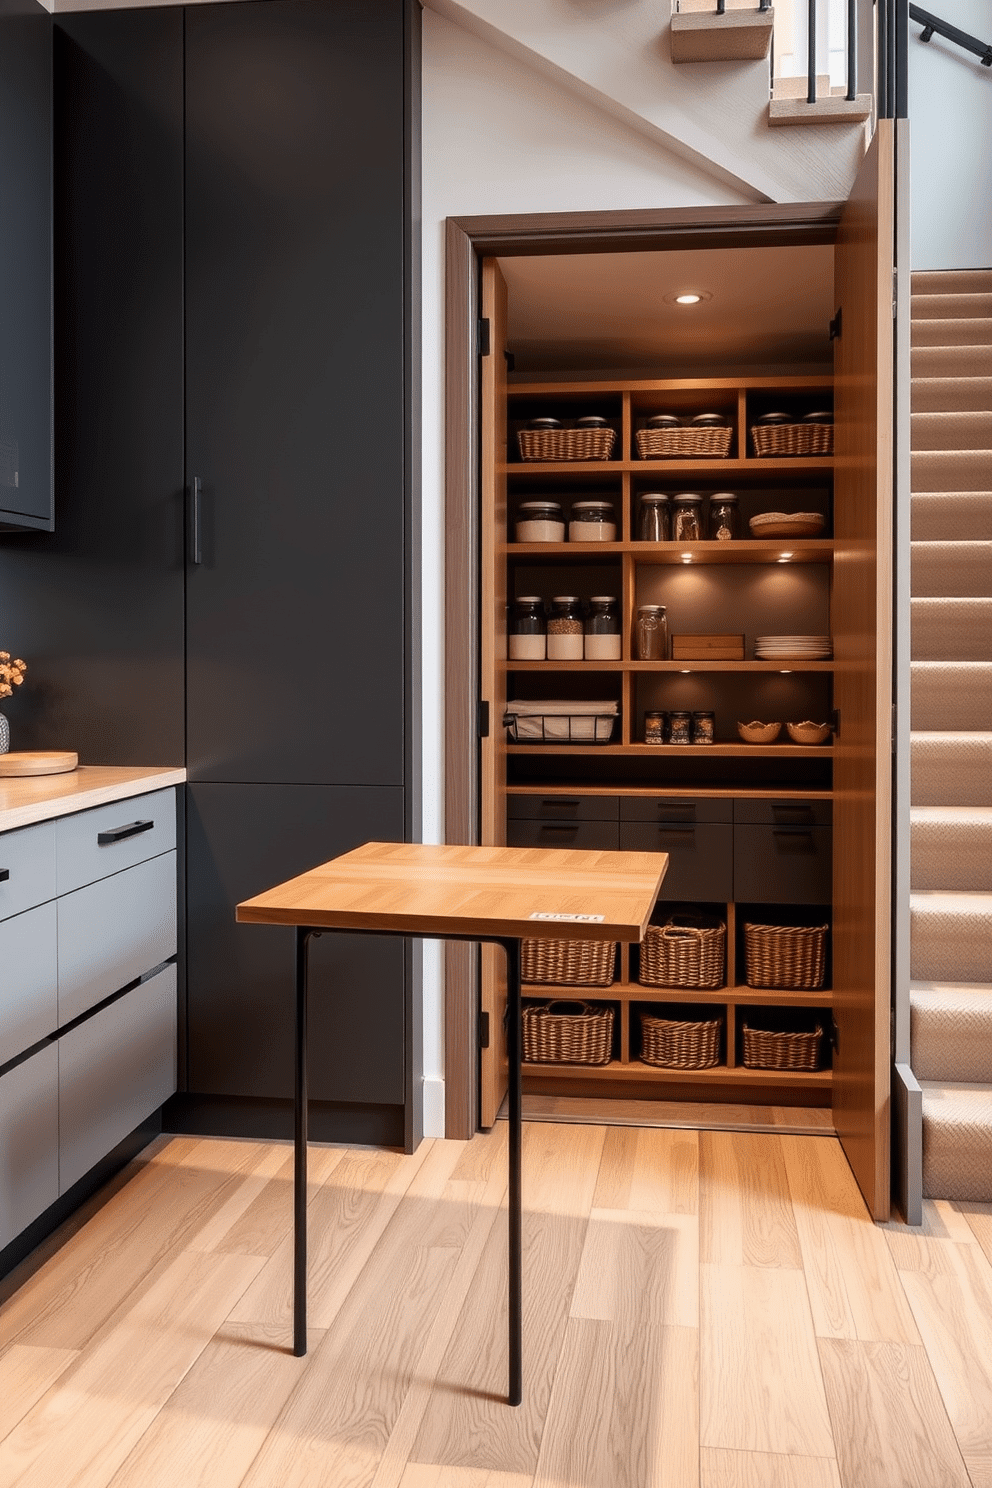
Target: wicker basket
[
  {"x": 781, "y": 1051},
  {"x": 772, "y": 440},
  {"x": 684, "y": 952},
  {"x": 568, "y": 963},
  {"x": 788, "y": 956},
  {"x": 683, "y": 444},
  {"x": 567, "y": 1033},
  {"x": 677, "y": 1043},
  {"x": 566, "y": 444}
]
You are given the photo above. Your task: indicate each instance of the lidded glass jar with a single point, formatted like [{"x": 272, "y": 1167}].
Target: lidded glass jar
[
  {"x": 651, "y": 633},
  {"x": 725, "y": 518},
  {"x": 527, "y": 640},
  {"x": 654, "y": 727},
  {"x": 592, "y": 521},
  {"x": 565, "y": 639},
  {"x": 540, "y": 521},
  {"x": 687, "y": 518},
  {"x": 602, "y": 638},
  {"x": 680, "y": 728},
  {"x": 654, "y": 523}
]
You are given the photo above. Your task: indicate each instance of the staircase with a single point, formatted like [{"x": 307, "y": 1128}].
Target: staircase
[{"x": 951, "y": 898}]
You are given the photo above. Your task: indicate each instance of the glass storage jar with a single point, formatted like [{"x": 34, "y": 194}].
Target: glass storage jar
[
  {"x": 565, "y": 638},
  {"x": 680, "y": 728},
  {"x": 592, "y": 521},
  {"x": 687, "y": 522},
  {"x": 703, "y": 728},
  {"x": 654, "y": 728},
  {"x": 527, "y": 640},
  {"x": 651, "y": 633},
  {"x": 654, "y": 523},
  {"x": 540, "y": 521},
  {"x": 725, "y": 518},
  {"x": 602, "y": 638}
]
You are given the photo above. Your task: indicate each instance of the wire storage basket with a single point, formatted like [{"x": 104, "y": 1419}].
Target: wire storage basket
[
  {"x": 567, "y": 1033},
  {"x": 568, "y": 963},
  {"x": 680, "y": 1043},
  {"x": 770, "y": 1049},
  {"x": 684, "y": 444},
  {"x": 566, "y": 444},
  {"x": 774, "y": 440},
  {"x": 793, "y": 957},
  {"x": 686, "y": 951}
]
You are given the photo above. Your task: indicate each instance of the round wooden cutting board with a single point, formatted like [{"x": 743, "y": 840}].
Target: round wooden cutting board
[{"x": 39, "y": 762}]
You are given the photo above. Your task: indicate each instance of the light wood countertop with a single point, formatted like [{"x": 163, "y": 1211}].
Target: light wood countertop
[{"x": 40, "y": 797}]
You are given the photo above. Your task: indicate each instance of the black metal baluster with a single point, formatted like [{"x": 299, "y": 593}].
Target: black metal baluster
[
  {"x": 811, "y": 50},
  {"x": 852, "y": 51}
]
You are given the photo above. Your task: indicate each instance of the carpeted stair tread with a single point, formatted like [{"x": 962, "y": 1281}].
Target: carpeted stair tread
[
  {"x": 950, "y": 936},
  {"x": 951, "y": 768},
  {"x": 951, "y": 695},
  {"x": 951, "y": 1030},
  {"x": 951, "y": 848},
  {"x": 953, "y": 331},
  {"x": 951, "y": 281},
  {"x": 951, "y": 629},
  {"x": 951, "y": 516},
  {"x": 951, "y": 394},
  {"x": 963, "y": 305},
  {"x": 951, "y": 570},
  {"x": 949, "y": 470},
  {"x": 952, "y": 431},
  {"x": 957, "y": 1141},
  {"x": 951, "y": 361}
]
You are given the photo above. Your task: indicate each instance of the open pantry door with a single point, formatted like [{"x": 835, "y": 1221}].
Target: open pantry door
[
  {"x": 862, "y": 631},
  {"x": 492, "y": 671}
]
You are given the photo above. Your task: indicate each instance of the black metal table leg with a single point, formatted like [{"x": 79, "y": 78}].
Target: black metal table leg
[
  {"x": 514, "y": 1197},
  {"x": 300, "y": 1137}
]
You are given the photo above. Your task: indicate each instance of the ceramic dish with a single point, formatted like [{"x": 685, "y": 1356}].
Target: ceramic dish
[
  {"x": 759, "y": 733},
  {"x": 808, "y": 732}
]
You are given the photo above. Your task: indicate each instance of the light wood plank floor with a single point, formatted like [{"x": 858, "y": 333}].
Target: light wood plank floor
[{"x": 703, "y": 1310}]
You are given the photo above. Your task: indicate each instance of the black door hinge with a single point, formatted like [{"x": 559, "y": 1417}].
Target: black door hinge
[
  {"x": 835, "y": 325},
  {"x": 482, "y": 721},
  {"x": 482, "y": 337},
  {"x": 483, "y": 1030}
]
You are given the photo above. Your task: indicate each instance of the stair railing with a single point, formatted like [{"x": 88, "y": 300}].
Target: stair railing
[{"x": 932, "y": 24}]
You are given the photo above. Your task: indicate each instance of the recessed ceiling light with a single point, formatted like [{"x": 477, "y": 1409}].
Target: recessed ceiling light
[
  {"x": 688, "y": 299},
  {"x": 686, "y": 557},
  {"x": 687, "y": 296},
  {"x": 784, "y": 557}
]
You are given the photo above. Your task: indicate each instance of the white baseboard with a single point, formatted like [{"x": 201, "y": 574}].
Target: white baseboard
[{"x": 434, "y": 1107}]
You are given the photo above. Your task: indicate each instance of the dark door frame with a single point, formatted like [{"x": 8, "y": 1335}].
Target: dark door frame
[{"x": 467, "y": 241}]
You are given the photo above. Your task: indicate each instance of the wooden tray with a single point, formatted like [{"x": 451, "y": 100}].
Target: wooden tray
[{"x": 38, "y": 762}]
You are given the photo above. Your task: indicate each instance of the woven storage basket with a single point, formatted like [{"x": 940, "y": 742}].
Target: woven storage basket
[
  {"x": 582, "y": 1035},
  {"x": 566, "y": 444},
  {"x": 677, "y": 1043},
  {"x": 782, "y": 1051},
  {"x": 792, "y": 439},
  {"x": 789, "y": 956},
  {"x": 683, "y": 953},
  {"x": 683, "y": 444},
  {"x": 568, "y": 963}
]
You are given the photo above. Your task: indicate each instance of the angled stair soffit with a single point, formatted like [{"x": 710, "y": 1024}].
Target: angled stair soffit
[{"x": 714, "y": 114}]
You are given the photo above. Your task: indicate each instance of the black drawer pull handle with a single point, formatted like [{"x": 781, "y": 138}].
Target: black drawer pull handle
[
  {"x": 677, "y": 813},
  {"x": 792, "y": 832},
  {"x": 559, "y": 826},
  {"x": 558, "y": 803},
  {"x": 676, "y": 831},
  {"x": 119, "y": 834},
  {"x": 4, "y": 874},
  {"x": 792, "y": 815}
]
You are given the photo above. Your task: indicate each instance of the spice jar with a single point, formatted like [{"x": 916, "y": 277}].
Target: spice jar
[
  {"x": 540, "y": 521},
  {"x": 725, "y": 519},
  {"x": 680, "y": 728},
  {"x": 654, "y": 523},
  {"x": 602, "y": 638},
  {"x": 651, "y": 633},
  {"x": 592, "y": 521},
  {"x": 654, "y": 728},
  {"x": 687, "y": 525},
  {"x": 565, "y": 629},
  {"x": 703, "y": 728},
  {"x": 527, "y": 640}
]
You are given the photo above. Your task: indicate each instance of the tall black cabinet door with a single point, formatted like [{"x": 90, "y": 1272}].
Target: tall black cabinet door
[
  {"x": 25, "y": 265},
  {"x": 296, "y": 167}
]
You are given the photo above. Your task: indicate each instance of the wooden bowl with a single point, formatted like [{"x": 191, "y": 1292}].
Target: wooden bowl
[
  {"x": 808, "y": 733},
  {"x": 759, "y": 733}
]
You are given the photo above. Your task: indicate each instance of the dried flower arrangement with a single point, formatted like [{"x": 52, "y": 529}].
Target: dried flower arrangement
[{"x": 11, "y": 674}]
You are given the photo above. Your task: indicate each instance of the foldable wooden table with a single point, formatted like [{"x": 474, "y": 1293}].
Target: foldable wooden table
[{"x": 495, "y": 894}]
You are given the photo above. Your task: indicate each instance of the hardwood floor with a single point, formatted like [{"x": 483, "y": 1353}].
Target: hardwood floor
[{"x": 702, "y": 1310}]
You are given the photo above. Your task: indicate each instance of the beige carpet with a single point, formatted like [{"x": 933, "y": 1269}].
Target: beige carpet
[{"x": 951, "y": 832}]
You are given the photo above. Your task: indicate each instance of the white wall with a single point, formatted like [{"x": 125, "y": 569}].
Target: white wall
[
  {"x": 498, "y": 136},
  {"x": 950, "y": 116}
]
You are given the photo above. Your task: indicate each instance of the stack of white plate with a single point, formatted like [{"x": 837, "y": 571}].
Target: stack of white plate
[{"x": 786, "y": 647}]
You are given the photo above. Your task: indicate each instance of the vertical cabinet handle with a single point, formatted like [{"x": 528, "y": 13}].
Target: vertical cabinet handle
[
  {"x": 196, "y": 522},
  {"x": 4, "y": 874}
]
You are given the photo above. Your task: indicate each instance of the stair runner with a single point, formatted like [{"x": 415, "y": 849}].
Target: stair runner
[{"x": 951, "y": 898}]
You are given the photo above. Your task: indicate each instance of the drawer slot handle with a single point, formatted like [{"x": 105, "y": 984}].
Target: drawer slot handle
[
  {"x": 559, "y": 826},
  {"x": 120, "y": 834},
  {"x": 676, "y": 831},
  {"x": 677, "y": 813},
  {"x": 4, "y": 874},
  {"x": 792, "y": 832},
  {"x": 792, "y": 815}
]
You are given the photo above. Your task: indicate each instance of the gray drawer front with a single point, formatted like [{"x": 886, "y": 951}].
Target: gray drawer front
[
  {"x": 114, "y": 1071},
  {"x": 782, "y": 865},
  {"x": 784, "y": 813},
  {"x": 29, "y": 1006},
  {"x": 80, "y": 856},
  {"x": 561, "y": 808},
  {"x": 589, "y": 835},
  {"x": 29, "y": 1141},
  {"x": 28, "y": 859},
  {"x": 700, "y": 858},
  {"x": 114, "y": 931},
  {"x": 683, "y": 810}
]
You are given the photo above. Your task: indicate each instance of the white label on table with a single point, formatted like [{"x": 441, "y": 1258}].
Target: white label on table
[{"x": 541, "y": 914}]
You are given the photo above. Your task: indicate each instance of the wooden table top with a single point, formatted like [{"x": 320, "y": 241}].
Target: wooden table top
[{"x": 472, "y": 891}]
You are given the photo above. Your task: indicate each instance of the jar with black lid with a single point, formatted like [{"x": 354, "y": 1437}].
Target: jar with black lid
[
  {"x": 654, "y": 728},
  {"x": 540, "y": 521},
  {"x": 527, "y": 640},
  {"x": 725, "y": 517},
  {"x": 703, "y": 727},
  {"x": 602, "y": 637},
  {"x": 680, "y": 728},
  {"x": 592, "y": 521},
  {"x": 687, "y": 518},
  {"x": 654, "y": 523},
  {"x": 565, "y": 629}
]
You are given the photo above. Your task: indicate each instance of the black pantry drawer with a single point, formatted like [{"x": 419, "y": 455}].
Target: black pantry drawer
[
  {"x": 784, "y": 813},
  {"x": 782, "y": 865},
  {"x": 700, "y": 858},
  {"x": 680, "y": 809},
  {"x": 588, "y": 835},
  {"x": 561, "y": 808}
]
